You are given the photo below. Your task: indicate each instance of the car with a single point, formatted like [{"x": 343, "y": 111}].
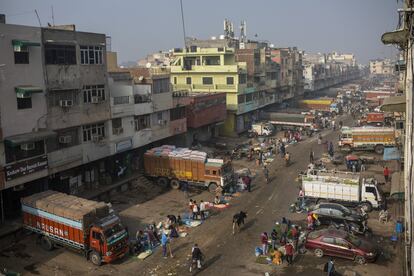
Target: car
[
  {"x": 339, "y": 243},
  {"x": 341, "y": 217}
]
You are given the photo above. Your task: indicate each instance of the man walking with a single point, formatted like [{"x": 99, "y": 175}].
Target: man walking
[
  {"x": 311, "y": 156},
  {"x": 202, "y": 210},
  {"x": 195, "y": 210},
  {"x": 165, "y": 242},
  {"x": 330, "y": 267},
  {"x": 386, "y": 174},
  {"x": 289, "y": 253},
  {"x": 264, "y": 239},
  {"x": 266, "y": 174}
]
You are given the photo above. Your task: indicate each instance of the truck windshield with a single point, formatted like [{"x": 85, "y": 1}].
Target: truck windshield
[{"x": 113, "y": 230}]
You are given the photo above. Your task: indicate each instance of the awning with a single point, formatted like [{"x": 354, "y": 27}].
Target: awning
[
  {"x": 394, "y": 104},
  {"x": 21, "y": 43},
  {"x": 29, "y": 137},
  {"x": 391, "y": 154},
  {"x": 397, "y": 185},
  {"x": 25, "y": 91}
]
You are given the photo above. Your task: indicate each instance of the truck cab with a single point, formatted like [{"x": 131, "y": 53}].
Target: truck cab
[
  {"x": 217, "y": 173},
  {"x": 371, "y": 194},
  {"x": 345, "y": 139},
  {"x": 108, "y": 240}
]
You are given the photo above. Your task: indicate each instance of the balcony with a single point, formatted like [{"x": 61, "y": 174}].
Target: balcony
[
  {"x": 121, "y": 108},
  {"x": 209, "y": 68},
  {"x": 65, "y": 158}
]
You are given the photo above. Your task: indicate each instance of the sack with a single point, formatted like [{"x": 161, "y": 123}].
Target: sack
[{"x": 325, "y": 268}]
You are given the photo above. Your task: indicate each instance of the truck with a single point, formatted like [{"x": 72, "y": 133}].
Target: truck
[
  {"x": 172, "y": 166},
  {"x": 367, "y": 138},
  {"x": 86, "y": 226},
  {"x": 290, "y": 120},
  {"x": 346, "y": 188},
  {"x": 263, "y": 129},
  {"x": 321, "y": 104},
  {"x": 373, "y": 118}
]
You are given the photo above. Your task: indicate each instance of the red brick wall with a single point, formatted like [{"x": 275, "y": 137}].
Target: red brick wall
[{"x": 208, "y": 115}]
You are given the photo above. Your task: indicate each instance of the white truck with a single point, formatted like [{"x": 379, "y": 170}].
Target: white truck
[
  {"x": 347, "y": 188},
  {"x": 263, "y": 129}
]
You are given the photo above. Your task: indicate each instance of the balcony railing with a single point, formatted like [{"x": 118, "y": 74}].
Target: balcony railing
[{"x": 141, "y": 99}]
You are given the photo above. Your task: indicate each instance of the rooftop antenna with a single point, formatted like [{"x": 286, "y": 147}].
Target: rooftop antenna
[
  {"x": 182, "y": 20},
  {"x": 243, "y": 31},
  {"x": 53, "y": 17},
  {"x": 38, "y": 18}
]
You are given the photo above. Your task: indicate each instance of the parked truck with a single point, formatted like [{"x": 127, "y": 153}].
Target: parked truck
[
  {"x": 347, "y": 188},
  {"x": 321, "y": 104},
  {"x": 83, "y": 225},
  {"x": 373, "y": 118},
  {"x": 263, "y": 129},
  {"x": 367, "y": 138},
  {"x": 290, "y": 120},
  {"x": 173, "y": 166}
]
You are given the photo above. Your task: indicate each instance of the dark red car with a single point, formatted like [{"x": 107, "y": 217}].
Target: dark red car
[{"x": 338, "y": 243}]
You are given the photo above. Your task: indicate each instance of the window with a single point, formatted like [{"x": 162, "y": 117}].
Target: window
[
  {"x": 89, "y": 131},
  {"x": 177, "y": 113},
  {"x": 15, "y": 152},
  {"x": 121, "y": 100},
  {"x": 230, "y": 80},
  {"x": 56, "y": 96},
  {"x": 22, "y": 56},
  {"x": 188, "y": 80},
  {"x": 249, "y": 97},
  {"x": 207, "y": 172},
  {"x": 60, "y": 54},
  {"x": 161, "y": 85},
  {"x": 159, "y": 116},
  {"x": 92, "y": 93},
  {"x": 91, "y": 54},
  {"x": 240, "y": 98},
  {"x": 342, "y": 243},
  {"x": 142, "y": 122},
  {"x": 175, "y": 80},
  {"x": 328, "y": 240},
  {"x": 214, "y": 60},
  {"x": 24, "y": 103},
  {"x": 214, "y": 172},
  {"x": 242, "y": 78},
  {"x": 116, "y": 126},
  {"x": 207, "y": 80},
  {"x": 370, "y": 190}
]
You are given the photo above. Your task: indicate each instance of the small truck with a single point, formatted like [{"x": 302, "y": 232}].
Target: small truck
[
  {"x": 83, "y": 225},
  {"x": 346, "y": 188},
  {"x": 172, "y": 166}
]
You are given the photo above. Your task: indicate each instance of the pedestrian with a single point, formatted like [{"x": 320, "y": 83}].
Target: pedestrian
[
  {"x": 219, "y": 191},
  {"x": 295, "y": 235},
  {"x": 311, "y": 156},
  {"x": 330, "y": 267},
  {"x": 320, "y": 139},
  {"x": 273, "y": 236},
  {"x": 165, "y": 243},
  {"x": 282, "y": 150},
  {"x": 284, "y": 227},
  {"x": 309, "y": 220},
  {"x": 184, "y": 188},
  {"x": 266, "y": 174},
  {"x": 202, "y": 210},
  {"x": 190, "y": 205},
  {"x": 196, "y": 256},
  {"x": 195, "y": 210},
  {"x": 217, "y": 200},
  {"x": 247, "y": 181},
  {"x": 331, "y": 149},
  {"x": 386, "y": 174},
  {"x": 289, "y": 253},
  {"x": 301, "y": 197},
  {"x": 264, "y": 239}
]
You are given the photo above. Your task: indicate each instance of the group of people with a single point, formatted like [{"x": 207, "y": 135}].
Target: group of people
[{"x": 198, "y": 211}]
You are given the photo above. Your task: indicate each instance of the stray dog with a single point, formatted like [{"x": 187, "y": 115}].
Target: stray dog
[{"x": 238, "y": 219}]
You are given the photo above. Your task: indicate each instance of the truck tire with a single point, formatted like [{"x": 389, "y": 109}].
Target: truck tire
[
  {"x": 175, "y": 184},
  {"x": 366, "y": 206},
  {"x": 95, "y": 258},
  {"x": 379, "y": 149},
  {"x": 46, "y": 243},
  {"x": 212, "y": 187},
  {"x": 163, "y": 182}
]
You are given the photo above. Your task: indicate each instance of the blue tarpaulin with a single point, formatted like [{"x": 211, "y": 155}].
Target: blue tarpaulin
[{"x": 391, "y": 154}]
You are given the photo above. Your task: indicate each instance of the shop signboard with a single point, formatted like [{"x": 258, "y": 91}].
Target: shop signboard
[
  {"x": 25, "y": 167},
  {"x": 124, "y": 145}
]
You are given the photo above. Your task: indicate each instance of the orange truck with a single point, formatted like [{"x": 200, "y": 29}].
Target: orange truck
[
  {"x": 367, "y": 138},
  {"x": 174, "y": 166},
  {"x": 83, "y": 225}
]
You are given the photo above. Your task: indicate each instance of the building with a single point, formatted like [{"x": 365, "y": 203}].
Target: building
[
  {"x": 384, "y": 67},
  {"x": 159, "y": 59}
]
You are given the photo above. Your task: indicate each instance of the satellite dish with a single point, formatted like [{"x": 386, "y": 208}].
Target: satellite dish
[{"x": 148, "y": 65}]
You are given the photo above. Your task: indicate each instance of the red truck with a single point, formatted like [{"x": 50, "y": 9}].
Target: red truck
[
  {"x": 84, "y": 225},
  {"x": 374, "y": 118}
]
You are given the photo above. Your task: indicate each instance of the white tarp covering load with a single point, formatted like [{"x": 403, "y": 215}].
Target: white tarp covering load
[{"x": 182, "y": 153}]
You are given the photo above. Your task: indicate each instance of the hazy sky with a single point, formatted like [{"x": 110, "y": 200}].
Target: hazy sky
[{"x": 139, "y": 27}]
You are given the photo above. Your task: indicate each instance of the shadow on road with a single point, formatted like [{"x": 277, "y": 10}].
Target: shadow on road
[
  {"x": 208, "y": 263},
  {"x": 249, "y": 224}
]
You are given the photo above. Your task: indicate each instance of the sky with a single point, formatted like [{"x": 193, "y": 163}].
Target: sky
[{"x": 140, "y": 27}]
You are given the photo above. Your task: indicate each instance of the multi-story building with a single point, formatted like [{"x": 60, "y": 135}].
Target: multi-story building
[{"x": 384, "y": 67}]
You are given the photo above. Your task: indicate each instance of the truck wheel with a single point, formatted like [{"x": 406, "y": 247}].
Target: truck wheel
[
  {"x": 163, "y": 182},
  {"x": 95, "y": 258},
  {"x": 366, "y": 206},
  {"x": 212, "y": 187},
  {"x": 175, "y": 184},
  {"x": 379, "y": 149},
  {"x": 46, "y": 243}
]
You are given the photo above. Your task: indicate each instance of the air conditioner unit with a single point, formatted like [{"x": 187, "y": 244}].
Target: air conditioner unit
[
  {"x": 27, "y": 147},
  {"x": 97, "y": 138},
  {"x": 66, "y": 139},
  {"x": 118, "y": 130},
  {"x": 66, "y": 103},
  {"x": 95, "y": 100}
]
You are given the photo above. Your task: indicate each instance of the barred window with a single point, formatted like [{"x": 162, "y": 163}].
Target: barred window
[
  {"x": 93, "y": 130},
  {"x": 91, "y": 54},
  {"x": 92, "y": 91}
]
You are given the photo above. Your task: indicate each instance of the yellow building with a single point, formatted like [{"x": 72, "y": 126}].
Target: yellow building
[{"x": 216, "y": 70}]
